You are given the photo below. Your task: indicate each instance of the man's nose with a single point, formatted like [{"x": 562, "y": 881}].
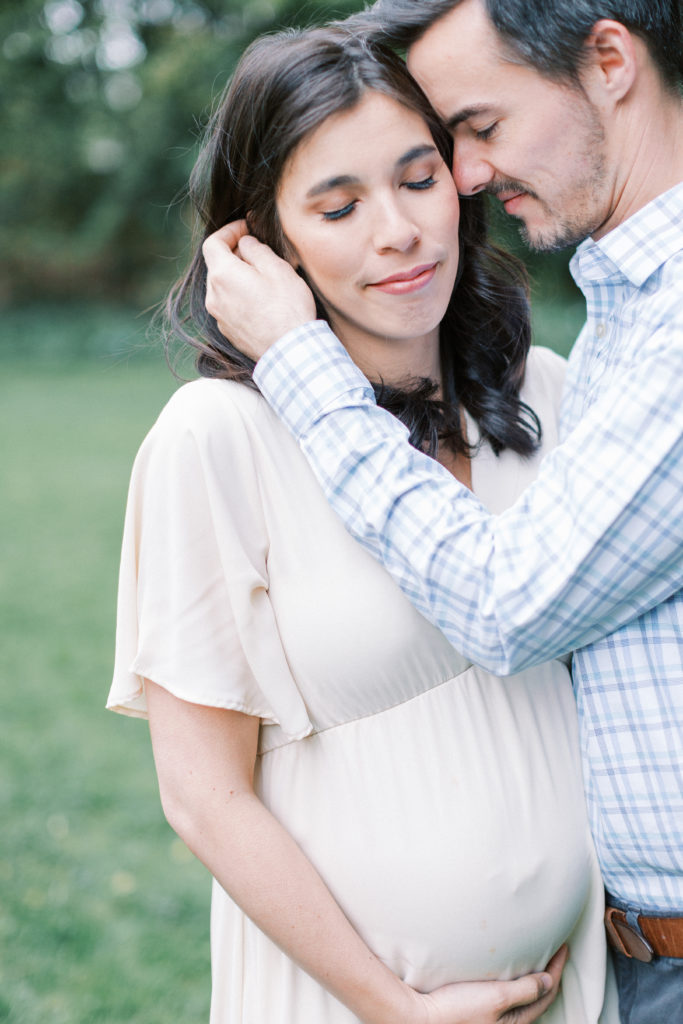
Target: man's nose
[{"x": 472, "y": 172}]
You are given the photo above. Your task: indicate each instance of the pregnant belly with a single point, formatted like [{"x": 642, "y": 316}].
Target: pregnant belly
[{"x": 451, "y": 830}]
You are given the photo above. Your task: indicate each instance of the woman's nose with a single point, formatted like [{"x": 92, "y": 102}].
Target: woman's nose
[
  {"x": 394, "y": 228},
  {"x": 471, "y": 171}
]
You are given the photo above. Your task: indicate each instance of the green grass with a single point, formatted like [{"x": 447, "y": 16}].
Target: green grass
[{"x": 103, "y": 912}]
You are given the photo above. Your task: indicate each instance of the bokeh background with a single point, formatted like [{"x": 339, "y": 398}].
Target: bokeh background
[{"x": 103, "y": 912}]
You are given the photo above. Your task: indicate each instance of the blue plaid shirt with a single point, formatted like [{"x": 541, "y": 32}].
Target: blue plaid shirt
[{"x": 589, "y": 559}]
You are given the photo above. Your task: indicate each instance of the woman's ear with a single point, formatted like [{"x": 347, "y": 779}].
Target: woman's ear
[
  {"x": 290, "y": 254},
  {"x": 249, "y": 219}
]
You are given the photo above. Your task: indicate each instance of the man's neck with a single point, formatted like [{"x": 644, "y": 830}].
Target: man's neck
[{"x": 650, "y": 162}]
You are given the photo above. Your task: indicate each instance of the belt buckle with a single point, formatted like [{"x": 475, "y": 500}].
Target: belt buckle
[{"x": 626, "y": 938}]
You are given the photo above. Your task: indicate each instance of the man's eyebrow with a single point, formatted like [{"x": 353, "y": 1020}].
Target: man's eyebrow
[
  {"x": 340, "y": 180},
  {"x": 466, "y": 113}
]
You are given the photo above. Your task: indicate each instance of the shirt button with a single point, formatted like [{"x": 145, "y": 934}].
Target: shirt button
[{"x": 600, "y": 330}]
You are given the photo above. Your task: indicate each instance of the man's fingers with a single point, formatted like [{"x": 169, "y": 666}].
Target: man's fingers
[
  {"x": 254, "y": 296},
  {"x": 233, "y": 243},
  {"x": 229, "y": 235},
  {"x": 224, "y": 264},
  {"x": 261, "y": 256}
]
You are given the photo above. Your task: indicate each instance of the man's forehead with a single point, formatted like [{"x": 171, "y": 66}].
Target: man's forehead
[
  {"x": 458, "y": 61},
  {"x": 456, "y": 91},
  {"x": 465, "y": 32}
]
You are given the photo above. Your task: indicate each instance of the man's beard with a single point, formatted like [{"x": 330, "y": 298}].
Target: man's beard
[{"x": 560, "y": 232}]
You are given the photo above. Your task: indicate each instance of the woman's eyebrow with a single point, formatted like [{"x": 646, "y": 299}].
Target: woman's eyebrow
[
  {"x": 329, "y": 183},
  {"x": 340, "y": 180},
  {"x": 414, "y": 154}
]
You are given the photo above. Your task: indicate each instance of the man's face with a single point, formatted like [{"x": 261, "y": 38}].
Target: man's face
[{"x": 537, "y": 145}]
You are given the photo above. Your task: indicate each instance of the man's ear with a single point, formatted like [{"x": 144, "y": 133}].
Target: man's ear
[{"x": 612, "y": 58}]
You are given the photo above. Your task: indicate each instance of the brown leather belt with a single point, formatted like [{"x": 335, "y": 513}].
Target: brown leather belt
[{"x": 653, "y": 936}]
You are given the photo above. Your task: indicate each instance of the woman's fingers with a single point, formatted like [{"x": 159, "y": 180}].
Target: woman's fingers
[
  {"x": 521, "y": 1001},
  {"x": 529, "y": 1007}
]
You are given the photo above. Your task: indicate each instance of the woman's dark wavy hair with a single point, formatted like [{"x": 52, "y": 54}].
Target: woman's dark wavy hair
[{"x": 284, "y": 87}]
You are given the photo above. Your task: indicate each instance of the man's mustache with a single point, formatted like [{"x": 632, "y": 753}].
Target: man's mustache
[{"x": 508, "y": 185}]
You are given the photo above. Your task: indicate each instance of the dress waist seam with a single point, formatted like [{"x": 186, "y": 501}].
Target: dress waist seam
[{"x": 287, "y": 741}]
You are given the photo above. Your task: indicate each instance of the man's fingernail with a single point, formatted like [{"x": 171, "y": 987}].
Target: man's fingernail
[{"x": 547, "y": 982}]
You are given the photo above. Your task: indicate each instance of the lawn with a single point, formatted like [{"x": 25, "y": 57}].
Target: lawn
[{"x": 103, "y": 912}]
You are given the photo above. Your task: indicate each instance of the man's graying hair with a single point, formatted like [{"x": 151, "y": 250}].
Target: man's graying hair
[{"x": 548, "y": 35}]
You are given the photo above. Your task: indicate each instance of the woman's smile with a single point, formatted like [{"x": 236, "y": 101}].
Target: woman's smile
[{"x": 408, "y": 281}]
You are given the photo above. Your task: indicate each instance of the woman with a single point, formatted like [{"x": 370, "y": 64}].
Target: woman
[{"x": 350, "y": 781}]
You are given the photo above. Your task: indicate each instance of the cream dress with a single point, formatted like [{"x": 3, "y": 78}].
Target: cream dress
[{"x": 442, "y": 805}]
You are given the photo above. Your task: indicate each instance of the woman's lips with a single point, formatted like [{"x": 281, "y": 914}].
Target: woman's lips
[{"x": 407, "y": 281}]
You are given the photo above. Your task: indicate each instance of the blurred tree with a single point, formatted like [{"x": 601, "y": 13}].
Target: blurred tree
[{"x": 103, "y": 101}]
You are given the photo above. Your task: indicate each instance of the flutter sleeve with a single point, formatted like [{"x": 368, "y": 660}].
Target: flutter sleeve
[{"x": 194, "y": 614}]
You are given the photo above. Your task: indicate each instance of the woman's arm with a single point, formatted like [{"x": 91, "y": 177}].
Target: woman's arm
[{"x": 205, "y": 761}]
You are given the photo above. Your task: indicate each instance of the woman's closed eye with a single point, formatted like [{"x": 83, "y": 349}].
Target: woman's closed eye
[
  {"x": 425, "y": 183},
  {"x": 344, "y": 211}
]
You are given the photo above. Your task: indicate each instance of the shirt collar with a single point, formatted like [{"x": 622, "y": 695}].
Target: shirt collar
[{"x": 637, "y": 248}]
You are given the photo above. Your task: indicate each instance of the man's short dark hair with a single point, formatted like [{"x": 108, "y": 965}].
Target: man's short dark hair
[{"x": 549, "y": 35}]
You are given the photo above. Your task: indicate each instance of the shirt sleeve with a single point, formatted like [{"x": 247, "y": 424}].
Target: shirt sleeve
[
  {"x": 194, "y": 614},
  {"x": 594, "y": 542}
]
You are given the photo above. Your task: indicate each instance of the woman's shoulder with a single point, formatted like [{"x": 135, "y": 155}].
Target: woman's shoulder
[
  {"x": 206, "y": 402},
  {"x": 218, "y": 423}
]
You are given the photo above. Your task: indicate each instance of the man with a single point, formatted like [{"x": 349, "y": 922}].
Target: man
[{"x": 570, "y": 111}]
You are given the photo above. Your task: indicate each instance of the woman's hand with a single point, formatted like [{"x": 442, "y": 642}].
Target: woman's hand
[
  {"x": 254, "y": 296},
  {"x": 492, "y": 1002}
]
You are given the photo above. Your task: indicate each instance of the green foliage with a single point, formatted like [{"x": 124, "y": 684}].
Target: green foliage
[
  {"x": 64, "y": 333},
  {"x": 556, "y": 321},
  {"x": 103, "y": 105},
  {"x": 103, "y": 101}
]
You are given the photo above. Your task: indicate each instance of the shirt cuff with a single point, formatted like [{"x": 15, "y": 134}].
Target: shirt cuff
[{"x": 308, "y": 372}]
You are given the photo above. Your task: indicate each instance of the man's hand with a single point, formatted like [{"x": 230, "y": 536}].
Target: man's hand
[
  {"x": 254, "y": 296},
  {"x": 495, "y": 1002}
]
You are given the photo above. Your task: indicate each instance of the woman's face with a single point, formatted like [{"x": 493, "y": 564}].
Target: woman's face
[{"x": 370, "y": 212}]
